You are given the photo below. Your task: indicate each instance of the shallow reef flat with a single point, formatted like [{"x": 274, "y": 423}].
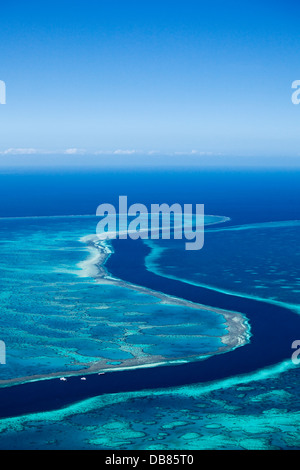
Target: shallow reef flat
[
  {"x": 255, "y": 411},
  {"x": 57, "y": 320}
]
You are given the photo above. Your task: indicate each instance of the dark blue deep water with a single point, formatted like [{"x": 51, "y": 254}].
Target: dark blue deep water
[{"x": 244, "y": 195}]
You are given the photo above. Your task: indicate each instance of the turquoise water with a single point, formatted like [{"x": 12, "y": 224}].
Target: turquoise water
[
  {"x": 56, "y": 320},
  {"x": 256, "y": 412}
]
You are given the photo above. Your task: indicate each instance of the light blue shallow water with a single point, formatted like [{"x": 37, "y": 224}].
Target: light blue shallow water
[
  {"x": 260, "y": 411},
  {"x": 55, "y": 321}
]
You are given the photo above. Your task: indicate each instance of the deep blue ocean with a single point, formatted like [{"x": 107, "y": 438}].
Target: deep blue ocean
[
  {"x": 54, "y": 320},
  {"x": 246, "y": 195}
]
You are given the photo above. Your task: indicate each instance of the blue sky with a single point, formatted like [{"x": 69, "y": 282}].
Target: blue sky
[{"x": 146, "y": 78}]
